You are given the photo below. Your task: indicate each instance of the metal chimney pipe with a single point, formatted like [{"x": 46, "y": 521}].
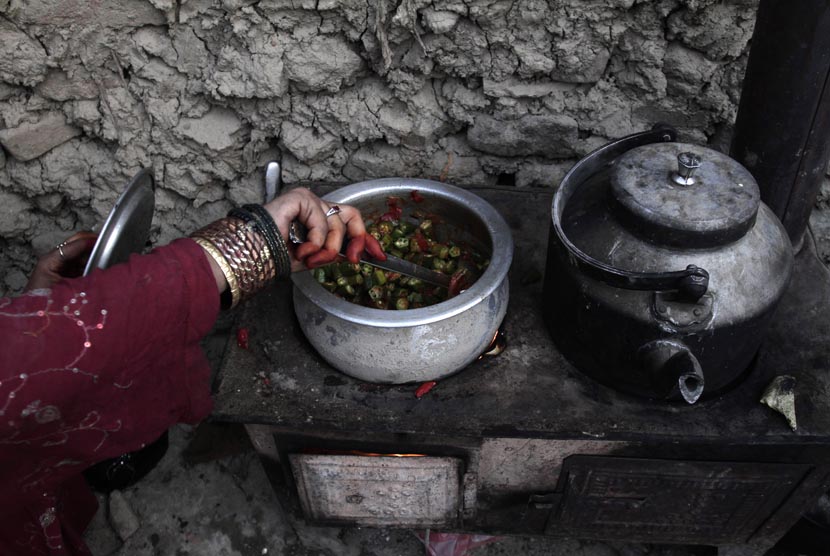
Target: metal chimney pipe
[{"x": 782, "y": 131}]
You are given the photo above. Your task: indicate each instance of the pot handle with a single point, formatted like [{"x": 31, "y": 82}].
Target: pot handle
[
  {"x": 691, "y": 282},
  {"x": 674, "y": 368}
]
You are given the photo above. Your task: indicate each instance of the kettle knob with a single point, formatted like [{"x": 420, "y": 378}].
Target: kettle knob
[{"x": 687, "y": 163}]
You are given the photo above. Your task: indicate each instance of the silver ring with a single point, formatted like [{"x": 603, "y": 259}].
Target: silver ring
[
  {"x": 332, "y": 211},
  {"x": 60, "y": 247}
]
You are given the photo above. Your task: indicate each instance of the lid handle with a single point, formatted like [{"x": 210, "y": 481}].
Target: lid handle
[{"x": 687, "y": 163}]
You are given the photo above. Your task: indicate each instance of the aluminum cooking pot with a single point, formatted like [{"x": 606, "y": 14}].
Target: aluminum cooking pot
[
  {"x": 429, "y": 343},
  {"x": 663, "y": 267}
]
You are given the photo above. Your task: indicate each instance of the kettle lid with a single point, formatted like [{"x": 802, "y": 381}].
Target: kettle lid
[{"x": 684, "y": 195}]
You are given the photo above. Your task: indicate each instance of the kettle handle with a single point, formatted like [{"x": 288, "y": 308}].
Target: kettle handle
[{"x": 692, "y": 282}]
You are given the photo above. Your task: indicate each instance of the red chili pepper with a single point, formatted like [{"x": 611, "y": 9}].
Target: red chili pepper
[
  {"x": 424, "y": 388},
  {"x": 393, "y": 214},
  {"x": 395, "y": 211},
  {"x": 423, "y": 245},
  {"x": 242, "y": 338},
  {"x": 417, "y": 197},
  {"x": 458, "y": 282}
]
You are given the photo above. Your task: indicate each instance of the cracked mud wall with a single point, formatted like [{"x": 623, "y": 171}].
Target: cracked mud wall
[{"x": 206, "y": 92}]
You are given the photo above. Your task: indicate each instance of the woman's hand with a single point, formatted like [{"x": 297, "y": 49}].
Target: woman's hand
[
  {"x": 325, "y": 234},
  {"x": 67, "y": 260}
]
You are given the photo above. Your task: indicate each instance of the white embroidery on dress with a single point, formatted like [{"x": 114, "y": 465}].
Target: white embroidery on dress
[{"x": 57, "y": 431}]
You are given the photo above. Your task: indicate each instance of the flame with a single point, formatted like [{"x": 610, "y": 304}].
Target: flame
[
  {"x": 374, "y": 455},
  {"x": 496, "y": 346},
  {"x": 359, "y": 453}
]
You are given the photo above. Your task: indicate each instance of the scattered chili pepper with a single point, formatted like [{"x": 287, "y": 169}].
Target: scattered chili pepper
[
  {"x": 416, "y": 196},
  {"x": 242, "y": 338},
  {"x": 424, "y": 388}
]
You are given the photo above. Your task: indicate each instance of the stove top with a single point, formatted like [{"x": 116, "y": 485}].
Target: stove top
[{"x": 530, "y": 390}]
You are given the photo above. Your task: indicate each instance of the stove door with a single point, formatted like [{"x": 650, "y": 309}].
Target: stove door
[
  {"x": 650, "y": 500},
  {"x": 377, "y": 491}
]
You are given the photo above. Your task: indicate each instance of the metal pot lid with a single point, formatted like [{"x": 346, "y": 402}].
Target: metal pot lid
[
  {"x": 684, "y": 195},
  {"x": 127, "y": 227}
]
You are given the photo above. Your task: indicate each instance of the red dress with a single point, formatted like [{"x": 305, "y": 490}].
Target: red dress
[{"x": 89, "y": 370}]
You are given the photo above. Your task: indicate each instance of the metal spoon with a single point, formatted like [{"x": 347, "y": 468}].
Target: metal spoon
[{"x": 297, "y": 234}]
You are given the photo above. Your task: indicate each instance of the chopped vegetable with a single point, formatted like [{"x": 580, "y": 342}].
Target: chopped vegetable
[{"x": 411, "y": 238}]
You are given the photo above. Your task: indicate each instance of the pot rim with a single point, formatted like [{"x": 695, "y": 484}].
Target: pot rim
[{"x": 496, "y": 272}]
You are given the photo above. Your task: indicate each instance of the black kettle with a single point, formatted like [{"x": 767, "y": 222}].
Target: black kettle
[{"x": 663, "y": 267}]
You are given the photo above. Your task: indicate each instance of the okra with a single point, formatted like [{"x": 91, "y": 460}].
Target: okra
[
  {"x": 355, "y": 280},
  {"x": 345, "y": 290},
  {"x": 410, "y": 238},
  {"x": 402, "y": 243},
  {"x": 349, "y": 269},
  {"x": 375, "y": 293}
]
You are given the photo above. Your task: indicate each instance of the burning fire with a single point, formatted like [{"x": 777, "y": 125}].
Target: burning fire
[
  {"x": 359, "y": 453},
  {"x": 374, "y": 455},
  {"x": 497, "y": 345}
]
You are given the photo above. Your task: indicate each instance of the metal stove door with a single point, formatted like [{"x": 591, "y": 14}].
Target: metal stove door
[
  {"x": 650, "y": 500},
  {"x": 377, "y": 491}
]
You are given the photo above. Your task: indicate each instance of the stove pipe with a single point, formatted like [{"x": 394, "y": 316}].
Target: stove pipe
[{"x": 782, "y": 131}]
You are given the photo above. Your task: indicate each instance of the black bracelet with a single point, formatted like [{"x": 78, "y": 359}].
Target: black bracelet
[
  {"x": 262, "y": 228},
  {"x": 272, "y": 236},
  {"x": 249, "y": 218}
]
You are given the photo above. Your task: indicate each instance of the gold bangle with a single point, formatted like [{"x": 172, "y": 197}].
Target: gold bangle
[
  {"x": 244, "y": 251},
  {"x": 233, "y": 285}
]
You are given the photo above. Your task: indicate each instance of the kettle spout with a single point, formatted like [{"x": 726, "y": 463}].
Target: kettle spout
[
  {"x": 690, "y": 381},
  {"x": 675, "y": 368}
]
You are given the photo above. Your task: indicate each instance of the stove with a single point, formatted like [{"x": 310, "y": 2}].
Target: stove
[{"x": 522, "y": 443}]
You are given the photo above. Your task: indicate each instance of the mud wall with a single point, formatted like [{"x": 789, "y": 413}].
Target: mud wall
[{"x": 206, "y": 92}]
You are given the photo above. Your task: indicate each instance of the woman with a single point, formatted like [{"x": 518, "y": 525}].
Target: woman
[{"x": 95, "y": 367}]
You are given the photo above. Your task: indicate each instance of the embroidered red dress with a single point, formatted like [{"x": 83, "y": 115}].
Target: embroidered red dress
[{"x": 93, "y": 368}]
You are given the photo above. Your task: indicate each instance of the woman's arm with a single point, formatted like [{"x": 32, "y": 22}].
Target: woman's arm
[{"x": 97, "y": 366}]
